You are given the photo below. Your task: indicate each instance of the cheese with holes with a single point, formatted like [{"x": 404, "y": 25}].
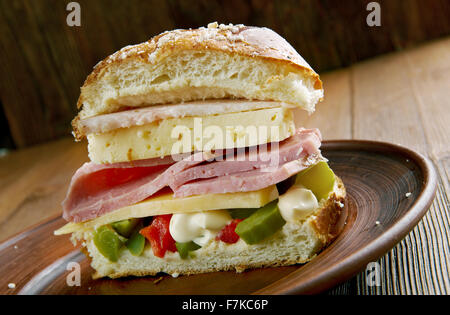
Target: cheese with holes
[
  {"x": 187, "y": 134},
  {"x": 167, "y": 204}
]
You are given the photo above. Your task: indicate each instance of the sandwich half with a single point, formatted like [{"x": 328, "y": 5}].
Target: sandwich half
[{"x": 196, "y": 162}]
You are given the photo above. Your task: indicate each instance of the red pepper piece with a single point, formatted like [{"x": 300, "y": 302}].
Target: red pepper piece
[
  {"x": 158, "y": 235},
  {"x": 227, "y": 234}
]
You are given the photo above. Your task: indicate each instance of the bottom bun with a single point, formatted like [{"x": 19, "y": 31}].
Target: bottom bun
[{"x": 295, "y": 243}]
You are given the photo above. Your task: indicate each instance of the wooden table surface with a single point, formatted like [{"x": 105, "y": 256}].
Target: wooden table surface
[{"x": 402, "y": 98}]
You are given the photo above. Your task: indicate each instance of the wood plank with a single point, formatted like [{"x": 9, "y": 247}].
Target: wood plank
[
  {"x": 13, "y": 94},
  {"x": 389, "y": 104},
  {"x": 36, "y": 183},
  {"x": 37, "y": 122},
  {"x": 384, "y": 107},
  {"x": 44, "y": 61},
  {"x": 428, "y": 67},
  {"x": 429, "y": 73}
]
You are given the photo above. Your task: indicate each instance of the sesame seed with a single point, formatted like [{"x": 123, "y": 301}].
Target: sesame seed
[
  {"x": 408, "y": 194},
  {"x": 11, "y": 285}
]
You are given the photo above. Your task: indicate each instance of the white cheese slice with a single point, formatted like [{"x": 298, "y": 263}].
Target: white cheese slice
[
  {"x": 167, "y": 204},
  {"x": 187, "y": 134}
]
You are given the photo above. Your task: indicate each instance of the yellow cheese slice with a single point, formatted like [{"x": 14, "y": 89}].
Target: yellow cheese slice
[
  {"x": 166, "y": 204},
  {"x": 187, "y": 134}
]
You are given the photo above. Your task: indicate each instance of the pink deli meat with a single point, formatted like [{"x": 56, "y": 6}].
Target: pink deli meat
[
  {"x": 97, "y": 189},
  {"x": 146, "y": 115},
  {"x": 304, "y": 143},
  {"x": 245, "y": 181}
]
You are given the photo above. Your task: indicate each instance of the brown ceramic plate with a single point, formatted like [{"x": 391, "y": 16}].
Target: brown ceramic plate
[{"x": 389, "y": 189}]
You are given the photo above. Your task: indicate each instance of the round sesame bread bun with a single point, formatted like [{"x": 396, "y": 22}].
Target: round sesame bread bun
[{"x": 214, "y": 62}]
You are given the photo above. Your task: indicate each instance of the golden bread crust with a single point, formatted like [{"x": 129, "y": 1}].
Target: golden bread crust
[
  {"x": 327, "y": 219},
  {"x": 255, "y": 42}
]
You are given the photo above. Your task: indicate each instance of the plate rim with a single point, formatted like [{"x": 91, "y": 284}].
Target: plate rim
[
  {"x": 345, "y": 268},
  {"x": 352, "y": 264}
]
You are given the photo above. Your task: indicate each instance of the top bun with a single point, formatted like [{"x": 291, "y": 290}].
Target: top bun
[{"x": 216, "y": 62}]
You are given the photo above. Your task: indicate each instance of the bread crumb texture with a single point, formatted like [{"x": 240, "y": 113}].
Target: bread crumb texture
[
  {"x": 295, "y": 243},
  {"x": 216, "y": 62}
]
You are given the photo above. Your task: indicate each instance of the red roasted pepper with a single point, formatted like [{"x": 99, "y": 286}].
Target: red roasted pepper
[
  {"x": 158, "y": 235},
  {"x": 227, "y": 234}
]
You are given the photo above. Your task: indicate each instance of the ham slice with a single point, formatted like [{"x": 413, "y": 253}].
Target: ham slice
[
  {"x": 303, "y": 143},
  {"x": 98, "y": 189},
  {"x": 246, "y": 181},
  {"x": 146, "y": 115}
]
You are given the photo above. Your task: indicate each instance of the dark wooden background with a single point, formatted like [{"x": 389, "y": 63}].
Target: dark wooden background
[{"x": 43, "y": 61}]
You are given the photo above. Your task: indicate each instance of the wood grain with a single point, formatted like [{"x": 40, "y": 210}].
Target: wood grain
[
  {"x": 428, "y": 69},
  {"x": 402, "y": 95},
  {"x": 45, "y": 61},
  {"x": 34, "y": 181}
]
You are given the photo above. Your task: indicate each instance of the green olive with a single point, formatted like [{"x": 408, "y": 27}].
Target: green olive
[
  {"x": 108, "y": 242},
  {"x": 261, "y": 224},
  {"x": 318, "y": 178}
]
